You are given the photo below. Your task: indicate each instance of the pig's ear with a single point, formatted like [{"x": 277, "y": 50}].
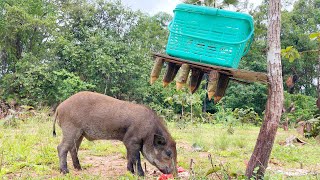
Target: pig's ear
[{"x": 159, "y": 140}]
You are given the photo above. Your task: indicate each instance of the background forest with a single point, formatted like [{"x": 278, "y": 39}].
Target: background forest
[{"x": 51, "y": 49}]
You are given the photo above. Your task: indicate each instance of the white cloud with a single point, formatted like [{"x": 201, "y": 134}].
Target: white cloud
[{"x": 152, "y": 6}]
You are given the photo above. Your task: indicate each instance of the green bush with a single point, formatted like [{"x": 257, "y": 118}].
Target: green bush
[
  {"x": 252, "y": 96},
  {"x": 39, "y": 85},
  {"x": 304, "y": 107},
  {"x": 312, "y": 127},
  {"x": 247, "y": 116}
]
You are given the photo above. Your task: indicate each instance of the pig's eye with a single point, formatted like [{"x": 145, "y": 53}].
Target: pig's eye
[{"x": 169, "y": 153}]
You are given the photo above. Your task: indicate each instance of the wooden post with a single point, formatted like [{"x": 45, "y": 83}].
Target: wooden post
[{"x": 265, "y": 141}]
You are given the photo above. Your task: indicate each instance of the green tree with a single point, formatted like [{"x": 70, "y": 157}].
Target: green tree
[
  {"x": 102, "y": 45},
  {"x": 38, "y": 85},
  {"x": 252, "y": 95},
  {"x": 213, "y": 3},
  {"x": 316, "y": 36},
  {"x": 296, "y": 27},
  {"x": 109, "y": 46},
  {"x": 26, "y": 28}
]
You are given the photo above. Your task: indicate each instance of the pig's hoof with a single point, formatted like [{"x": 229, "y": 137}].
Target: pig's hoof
[
  {"x": 64, "y": 171},
  {"x": 141, "y": 173}
]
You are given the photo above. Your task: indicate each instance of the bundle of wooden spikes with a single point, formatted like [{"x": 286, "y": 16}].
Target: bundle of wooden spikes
[{"x": 217, "y": 82}]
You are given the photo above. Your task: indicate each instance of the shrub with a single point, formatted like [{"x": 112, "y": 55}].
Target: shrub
[
  {"x": 304, "y": 107},
  {"x": 39, "y": 85},
  {"x": 247, "y": 116}
]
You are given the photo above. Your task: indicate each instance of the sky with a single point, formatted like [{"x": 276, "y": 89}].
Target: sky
[{"x": 153, "y": 6}]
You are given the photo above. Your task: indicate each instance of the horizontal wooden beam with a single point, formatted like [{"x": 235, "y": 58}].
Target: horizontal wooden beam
[{"x": 238, "y": 75}]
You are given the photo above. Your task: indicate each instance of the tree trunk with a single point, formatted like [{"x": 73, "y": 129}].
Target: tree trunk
[
  {"x": 260, "y": 157},
  {"x": 318, "y": 88}
]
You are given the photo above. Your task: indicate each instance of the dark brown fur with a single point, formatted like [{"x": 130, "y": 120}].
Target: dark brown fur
[{"x": 96, "y": 116}]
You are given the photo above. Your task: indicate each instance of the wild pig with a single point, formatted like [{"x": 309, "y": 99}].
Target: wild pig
[{"x": 96, "y": 116}]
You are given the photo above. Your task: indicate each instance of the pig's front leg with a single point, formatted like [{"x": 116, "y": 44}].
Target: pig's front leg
[{"x": 133, "y": 157}]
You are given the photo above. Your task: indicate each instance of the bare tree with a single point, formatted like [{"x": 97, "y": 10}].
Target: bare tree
[{"x": 260, "y": 157}]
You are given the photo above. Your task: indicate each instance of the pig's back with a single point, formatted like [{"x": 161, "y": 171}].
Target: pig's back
[{"x": 103, "y": 117}]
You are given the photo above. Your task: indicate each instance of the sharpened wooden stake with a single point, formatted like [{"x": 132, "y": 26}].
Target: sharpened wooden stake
[
  {"x": 213, "y": 79},
  {"x": 156, "y": 70},
  {"x": 172, "y": 70},
  {"x": 182, "y": 76},
  {"x": 195, "y": 79},
  {"x": 221, "y": 88}
]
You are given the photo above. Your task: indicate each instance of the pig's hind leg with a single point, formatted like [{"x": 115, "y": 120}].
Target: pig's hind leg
[
  {"x": 70, "y": 136},
  {"x": 74, "y": 153}
]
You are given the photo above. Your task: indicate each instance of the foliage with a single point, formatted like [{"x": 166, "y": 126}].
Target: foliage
[
  {"x": 315, "y": 36},
  {"x": 100, "y": 46},
  {"x": 247, "y": 116},
  {"x": 311, "y": 127},
  {"x": 31, "y": 151},
  {"x": 290, "y": 53},
  {"x": 26, "y": 27},
  {"x": 305, "y": 107},
  {"x": 186, "y": 101},
  {"x": 180, "y": 106},
  {"x": 52, "y": 49},
  {"x": 213, "y": 3},
  {"x": 39, "y": 84},
  {"x": 237, "y": 116},
  {"x": 224, "y": 115},
  {"x": 252, "y": 96},
  {"x": 110, "y": 50},
  {"x": 296, "y": 26}
]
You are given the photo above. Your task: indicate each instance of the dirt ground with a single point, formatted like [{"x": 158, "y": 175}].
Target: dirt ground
[
  {"x": 112, "y": 166},
  {"x": 109, "y": 166}
]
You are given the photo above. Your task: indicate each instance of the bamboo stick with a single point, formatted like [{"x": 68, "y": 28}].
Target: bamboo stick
[
  {"x": 182, "y": 76},
  {"x": 221, "y": 88},
  {"x": 195, "y": 79},
  {"x": 172, "y": 70},
  {"x": 212, "y": 83},
  {"x": 156, "y": 69}
]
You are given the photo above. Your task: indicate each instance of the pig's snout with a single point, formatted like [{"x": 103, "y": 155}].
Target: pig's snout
[{"x": 167, "y": 170}]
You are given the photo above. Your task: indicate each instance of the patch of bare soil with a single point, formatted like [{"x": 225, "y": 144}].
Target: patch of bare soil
[
  {"x": 115, "y": 165},
  {"x": 292, "y": 172},
  {"x": 110, "y": 166},
  {"x": 106, "y": 166},
  {"x": 276, "y": 167}
]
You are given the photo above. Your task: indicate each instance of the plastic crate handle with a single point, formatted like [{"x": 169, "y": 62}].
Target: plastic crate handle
[
  {"x": 250, "y": 36},
  {"x": 248, "y": 45}
]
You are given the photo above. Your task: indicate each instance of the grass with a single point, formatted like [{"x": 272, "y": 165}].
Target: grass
[{"x": 28, "y": 151}]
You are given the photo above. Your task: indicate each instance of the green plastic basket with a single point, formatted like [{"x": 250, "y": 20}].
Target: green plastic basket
[{"x": 209, "y": 35}]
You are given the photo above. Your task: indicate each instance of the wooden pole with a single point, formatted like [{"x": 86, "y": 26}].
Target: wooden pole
[{"x": 265, "y": 141}]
